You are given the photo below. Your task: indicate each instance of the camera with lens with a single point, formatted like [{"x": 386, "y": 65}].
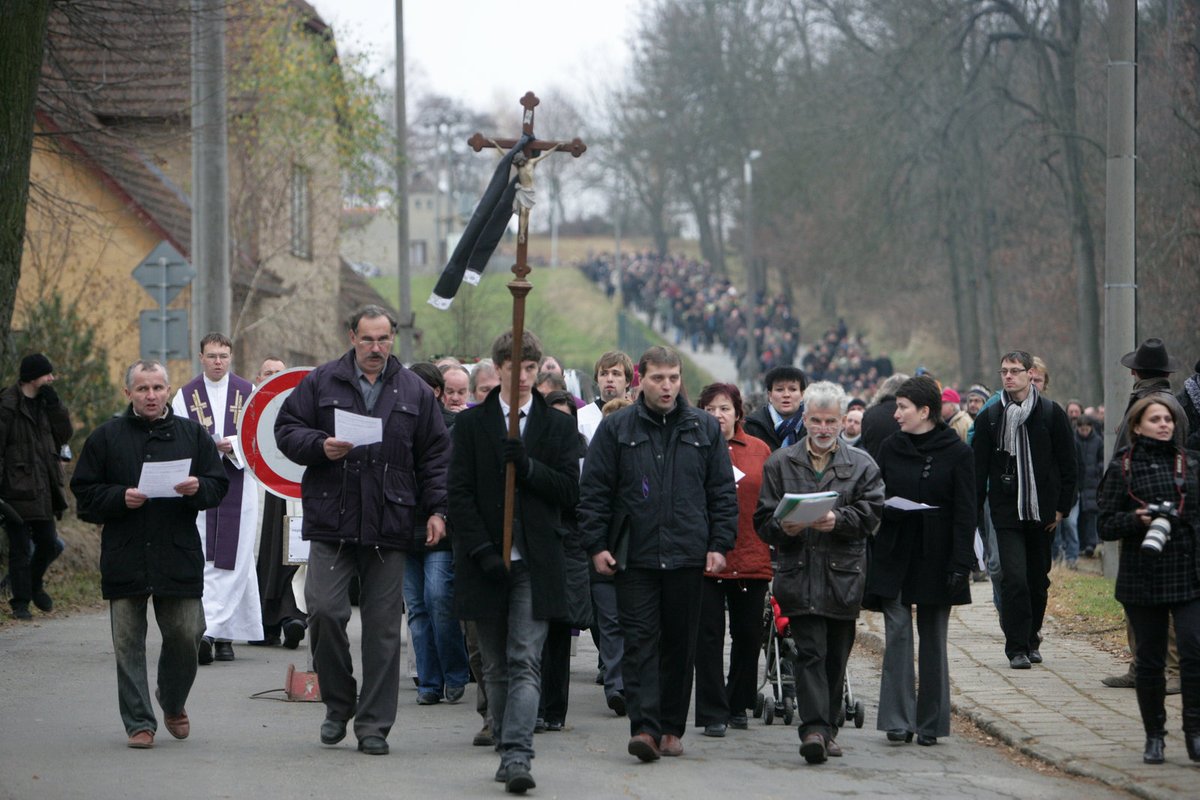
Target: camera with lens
[{"x": 1160, "y": 527}]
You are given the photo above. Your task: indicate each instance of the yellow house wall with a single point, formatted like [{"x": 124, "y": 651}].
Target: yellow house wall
[{"x": 84, "y": 245}]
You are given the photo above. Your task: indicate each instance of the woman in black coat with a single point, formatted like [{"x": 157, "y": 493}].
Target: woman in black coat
[
  {"x": 1156, "y": 585},
  {"x": 921, "y": 558}
]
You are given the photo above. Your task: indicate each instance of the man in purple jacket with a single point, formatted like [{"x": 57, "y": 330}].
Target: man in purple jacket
[{"x": 365, "y": 506}]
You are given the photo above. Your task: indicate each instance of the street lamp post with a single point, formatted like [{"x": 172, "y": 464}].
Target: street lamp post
[{"x": 752, "y": 288}]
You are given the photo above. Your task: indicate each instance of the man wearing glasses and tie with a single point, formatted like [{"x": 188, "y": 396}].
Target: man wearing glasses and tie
[{"x": 375, "y": 449}]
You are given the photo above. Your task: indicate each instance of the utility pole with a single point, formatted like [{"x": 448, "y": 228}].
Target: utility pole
[
  {"x": 211, "y": 296},
  {"x": 1120, "y": 253},
  {"x": 750, "y": 368},
  {"x": 403, "y": 268}
]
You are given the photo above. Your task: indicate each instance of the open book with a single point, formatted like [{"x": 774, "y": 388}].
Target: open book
[{"x": 806, "y": 508}]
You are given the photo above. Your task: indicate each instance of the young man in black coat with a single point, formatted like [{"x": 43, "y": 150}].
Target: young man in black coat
[
  {"x": 151, "y": 546},
  {"x": 1025, "y": 469},
  {"x": 512, "y": 604}
]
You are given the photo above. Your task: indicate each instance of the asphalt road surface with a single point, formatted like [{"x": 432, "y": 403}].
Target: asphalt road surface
[{"x": 61, "y": 737}]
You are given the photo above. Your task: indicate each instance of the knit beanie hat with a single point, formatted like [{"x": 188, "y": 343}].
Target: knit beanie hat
[
  {"x": 35, "y": 366},
  {"x": 950, "y": 396},
  {"x": 980, "y": 390}
]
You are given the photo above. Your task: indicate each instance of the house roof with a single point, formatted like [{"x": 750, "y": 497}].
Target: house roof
[
  {"x": 96, "y": 76},
  {"x": 356, "y": 292}
]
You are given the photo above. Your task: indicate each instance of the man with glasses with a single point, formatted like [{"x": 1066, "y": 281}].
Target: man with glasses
[
  {"x": 1025, "y": 470},
  {"x": 366, "y": 505},
  {"x": 232, "y": 610}
]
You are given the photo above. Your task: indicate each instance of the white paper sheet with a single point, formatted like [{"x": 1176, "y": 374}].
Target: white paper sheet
[
  {"x": 738, "y": 474},
  {"x": 159, "y": 478},
  {"x": 356, "y": 428},
  {"x": 297, "y": 548},
  {"x": 904, "y": 504}
]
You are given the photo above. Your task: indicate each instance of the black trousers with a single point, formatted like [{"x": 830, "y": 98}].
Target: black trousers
[
  {"x": 1151, "y": 626},
  {"x": 660, "y": 612},
  {"x": 718, "y": 695},
  {"x": 822, "y": 650},
  {"x": 1024, "y": 550},
  {"x": 556, "y": 673},
  {"x": 31, "y": 548}
]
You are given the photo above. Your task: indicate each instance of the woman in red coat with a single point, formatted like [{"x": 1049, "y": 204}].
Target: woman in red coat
[{"x": 742, "y": 586}]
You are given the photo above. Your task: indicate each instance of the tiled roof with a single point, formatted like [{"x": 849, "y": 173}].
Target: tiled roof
[{"x": 356, "y": 292}]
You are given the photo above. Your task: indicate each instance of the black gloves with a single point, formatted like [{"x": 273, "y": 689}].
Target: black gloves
[
  {"x": 492, "y": 564},
  {"x": 514, "y": 453},
  {"x": 48, "y": 396},
  {"x": 956, "y": 582}
]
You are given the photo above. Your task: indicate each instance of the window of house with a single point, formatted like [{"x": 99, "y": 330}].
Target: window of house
[
  {"x": 417, "y": 253},
  {"x": 301, "y": 212}
]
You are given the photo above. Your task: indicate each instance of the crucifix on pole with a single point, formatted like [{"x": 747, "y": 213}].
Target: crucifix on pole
[{"x": 533, "y": 151}]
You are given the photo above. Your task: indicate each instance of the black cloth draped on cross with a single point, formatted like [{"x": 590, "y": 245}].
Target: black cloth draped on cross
[{"x": 483, "y": 231}]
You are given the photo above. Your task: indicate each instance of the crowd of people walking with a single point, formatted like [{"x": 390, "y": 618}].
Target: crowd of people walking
[{"x": 503, "y": 515}]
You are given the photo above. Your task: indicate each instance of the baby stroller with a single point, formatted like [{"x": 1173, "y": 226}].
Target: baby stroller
[{"x": 779, "y": 649}]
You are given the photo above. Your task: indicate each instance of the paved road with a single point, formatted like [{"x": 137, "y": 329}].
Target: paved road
[{"x": 61, "y": 737}]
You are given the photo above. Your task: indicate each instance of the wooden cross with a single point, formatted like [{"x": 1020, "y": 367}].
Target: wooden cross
[
  {"x": 198, "y": 406},
  {"x": 519, "y": 287}
]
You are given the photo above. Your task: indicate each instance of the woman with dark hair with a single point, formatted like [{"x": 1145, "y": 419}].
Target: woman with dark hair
[
  {"x": 1158, "y": 578},
  {"x": 722, "y": 701},
  {"x": 921, "y": 557},
  {"x": 556, "y": 652}
]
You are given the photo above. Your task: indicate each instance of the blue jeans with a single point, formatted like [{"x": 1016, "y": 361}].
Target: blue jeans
[
  {"x": 1066, "y": 538},
  {"x": 181, "y": 623},
  {"x": 437, "y": 639},
  {"x": 511, "y": 647}
]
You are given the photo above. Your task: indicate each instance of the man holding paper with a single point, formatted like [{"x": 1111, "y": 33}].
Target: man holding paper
[
  {"x": 150, "y": 545},
  {"x": 232, "y": 609},
  {"x": 821, "y": 568},
  {"x": 374, "y": 488}
]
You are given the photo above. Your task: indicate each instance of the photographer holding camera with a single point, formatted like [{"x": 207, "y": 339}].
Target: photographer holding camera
[{"x": 1150, "y": 499}]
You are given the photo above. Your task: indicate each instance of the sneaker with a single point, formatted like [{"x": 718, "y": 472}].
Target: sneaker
[
  {"x": 43, "y": 601},
  {"x": 21, "y": 611},
  {"x": 739, "y": 722},
  {"x": 1123, "y": 681},
  {"x": 455, "y": 693},
  {"x": 539, "y": 725},
  {"x": 428, "y": 698}
]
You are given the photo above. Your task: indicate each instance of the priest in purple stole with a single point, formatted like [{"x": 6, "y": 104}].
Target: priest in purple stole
[{"x": 215, "y": 399}]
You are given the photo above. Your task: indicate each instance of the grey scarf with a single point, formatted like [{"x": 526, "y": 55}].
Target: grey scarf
[
  {"x": 1192, "y": 387},
  {"x": 1014, "y": 439}
]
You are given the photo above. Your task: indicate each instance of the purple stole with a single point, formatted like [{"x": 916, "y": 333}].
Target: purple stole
[{"x": 223, "y": 523}]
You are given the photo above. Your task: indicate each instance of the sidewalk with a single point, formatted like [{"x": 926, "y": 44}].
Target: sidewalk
[{"x": 1058, "y": 711}]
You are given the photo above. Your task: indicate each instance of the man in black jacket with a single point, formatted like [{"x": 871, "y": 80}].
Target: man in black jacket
[
  {"x": 1025, "y": 469},
  {"x": 780, "y": 422},
  {"x": 365, "y": 507},
  {"x": 150, "y": 544},
  {"x": 34, "y": 425},
  {"x": 661, "y": 467},
  {"x": 512, "y": 604}
]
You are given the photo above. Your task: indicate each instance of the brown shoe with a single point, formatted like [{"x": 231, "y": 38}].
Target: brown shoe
[
  {"x": 644, "y": 747},
  {"x": 141, "y": 740},
  {"x": 833, "y": 749},
  {"x": 812, "y": 747},
  {"x": 178, "y": 725},
  {"x": 670, "y": 745}
]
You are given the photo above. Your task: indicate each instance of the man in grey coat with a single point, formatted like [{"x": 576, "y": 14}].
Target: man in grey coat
[{"x": 822, "y": 565}]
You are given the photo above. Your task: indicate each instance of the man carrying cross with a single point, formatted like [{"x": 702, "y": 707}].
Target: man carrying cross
[
  {"x": 512, "y": 606},
  {"x": 215, "y": 399}
]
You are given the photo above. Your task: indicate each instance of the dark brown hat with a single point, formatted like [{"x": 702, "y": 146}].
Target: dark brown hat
[{"x": 1151, "y": 355}]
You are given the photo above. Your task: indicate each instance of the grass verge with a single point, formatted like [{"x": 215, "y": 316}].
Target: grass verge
[{"x": 1082, "y": 604}]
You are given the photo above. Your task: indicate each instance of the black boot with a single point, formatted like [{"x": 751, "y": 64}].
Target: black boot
[
  {"x": 1191, "y": 718},
  {"x": 1154, "y": 717}
]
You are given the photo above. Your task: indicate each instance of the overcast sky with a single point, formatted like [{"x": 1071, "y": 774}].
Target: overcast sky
[{"x": 468, "y": 49}]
